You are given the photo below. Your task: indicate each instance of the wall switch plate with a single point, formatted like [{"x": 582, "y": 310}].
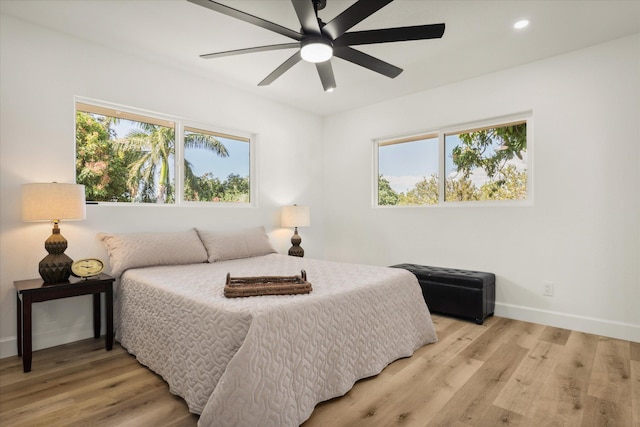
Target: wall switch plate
[{"x": 547, "y": 289}]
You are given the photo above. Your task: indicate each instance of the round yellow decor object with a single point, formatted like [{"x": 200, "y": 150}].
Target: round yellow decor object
[{"x": 87, "y": 267}]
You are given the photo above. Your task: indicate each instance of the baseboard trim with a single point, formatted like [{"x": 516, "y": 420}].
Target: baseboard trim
[
  {"x": 591, "y": 325},
  {"x": 9, "y": 346}
]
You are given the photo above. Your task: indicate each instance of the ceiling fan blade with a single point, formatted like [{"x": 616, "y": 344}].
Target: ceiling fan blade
[
  {"x": 367, "y": 61},
  {"x": 358, "y": 11},
  {"x": 293, "y": 60},
  {"x": 250, "y": 50},
  {"x": 234, "y": 13},
  {"x": 307, "y": 16},
  {"x": 386, "y": 35},
  {"x": 325, "y": 71}
]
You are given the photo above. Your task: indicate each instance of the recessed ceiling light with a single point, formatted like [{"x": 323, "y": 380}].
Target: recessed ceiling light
[{"x": 521, "y": 24}]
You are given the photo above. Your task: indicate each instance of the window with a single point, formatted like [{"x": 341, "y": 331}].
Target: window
[
  {"x": 408, "y": 171},
  {"x": 487, "y": 164},
  {"x": 216, "y": 167},
  {"x": 478, "y": 163},
  {"x": 123, "y": 155}
]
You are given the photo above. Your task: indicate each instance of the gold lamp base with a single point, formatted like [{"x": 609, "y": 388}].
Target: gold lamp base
[
  {"x": 56, "y": 266},
  {"x": 296, "y": 249}
]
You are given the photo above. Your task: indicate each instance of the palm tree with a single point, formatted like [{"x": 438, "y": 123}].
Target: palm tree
[
  {"x": 149, "y": 173},
  {"x": 207, "y": 142}
]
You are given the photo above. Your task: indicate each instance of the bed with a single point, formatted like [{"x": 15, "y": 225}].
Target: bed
[{"x": 264, "y": 360}]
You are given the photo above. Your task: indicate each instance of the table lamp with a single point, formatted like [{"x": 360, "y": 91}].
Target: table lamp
[
  {"x": 54, "y": 202},
  {"x": 295, "y": 216}
]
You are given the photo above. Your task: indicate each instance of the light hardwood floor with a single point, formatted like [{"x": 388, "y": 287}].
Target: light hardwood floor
[{"x": 504, "y": 373}]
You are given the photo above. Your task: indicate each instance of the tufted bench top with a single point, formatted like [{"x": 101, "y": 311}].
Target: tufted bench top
[{"x": 451, "y": 276}]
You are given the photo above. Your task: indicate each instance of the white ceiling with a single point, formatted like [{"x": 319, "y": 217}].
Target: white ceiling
[{"x": 479, "y": 38}]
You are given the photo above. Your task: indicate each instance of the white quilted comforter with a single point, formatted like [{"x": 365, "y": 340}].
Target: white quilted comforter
[{"x": 268, "y": 360}]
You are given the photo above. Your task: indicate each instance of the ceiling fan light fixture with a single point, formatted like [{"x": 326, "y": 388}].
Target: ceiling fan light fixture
[
  {"x": 316, "y": 49},
  {"x": 316, "y": 39},
  {"x": 523, "y": 23}
]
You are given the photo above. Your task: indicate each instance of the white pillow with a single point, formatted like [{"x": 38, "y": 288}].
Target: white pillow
[
  {"x": 132, "y": 250},
  {"x": 246, "y": 243}
]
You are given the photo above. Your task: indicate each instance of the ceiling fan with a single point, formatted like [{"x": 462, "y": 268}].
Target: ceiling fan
[{"x": 318, "y": 42}]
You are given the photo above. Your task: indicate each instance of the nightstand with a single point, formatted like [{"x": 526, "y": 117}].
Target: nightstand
[{"x": 35, "y": 290}]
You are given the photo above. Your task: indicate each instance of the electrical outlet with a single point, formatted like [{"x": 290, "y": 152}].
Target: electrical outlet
[{"x": 547, "y": 289}]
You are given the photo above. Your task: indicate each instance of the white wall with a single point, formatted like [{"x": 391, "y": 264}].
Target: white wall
[
  {"x": 41, "y": 72},
  {"x": 582, "y": 231}
]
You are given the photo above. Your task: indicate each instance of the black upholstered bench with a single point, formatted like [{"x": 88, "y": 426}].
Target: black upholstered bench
[{"x": 461, "y": 293}]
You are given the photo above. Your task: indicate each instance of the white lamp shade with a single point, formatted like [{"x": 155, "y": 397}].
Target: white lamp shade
[
  {"x": 295, "y": 216},
  {"x": 53, "y": 201}
]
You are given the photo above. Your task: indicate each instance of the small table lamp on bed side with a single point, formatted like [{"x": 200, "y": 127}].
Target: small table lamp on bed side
[
  {"x": 54, "y": 202},
  {"x": 295, "y": 216}
]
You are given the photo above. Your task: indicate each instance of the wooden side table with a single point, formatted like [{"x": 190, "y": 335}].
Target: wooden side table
[{"x": 35, "y": 290}]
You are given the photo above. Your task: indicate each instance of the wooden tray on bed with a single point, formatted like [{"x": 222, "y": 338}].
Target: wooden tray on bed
[{"x": 266, "y": 285}]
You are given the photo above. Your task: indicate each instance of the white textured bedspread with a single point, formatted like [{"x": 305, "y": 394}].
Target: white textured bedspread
[{"x": 268, "y": 360}]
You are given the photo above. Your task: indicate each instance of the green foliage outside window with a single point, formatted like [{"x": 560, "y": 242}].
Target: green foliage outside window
[
  {"x": 424, "y": 193},
  {"x": 386, "y": 195},
  {"x": 234, "y": 189},
  {"x": 100, "y": 166},
  {"x": 489, "y": 151},
  {"x": 139, "y": 166}
]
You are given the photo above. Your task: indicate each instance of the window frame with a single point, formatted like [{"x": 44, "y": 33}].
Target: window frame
[
  {"x": 441, "y": 133},
  {"x": 179, "y": 124}
]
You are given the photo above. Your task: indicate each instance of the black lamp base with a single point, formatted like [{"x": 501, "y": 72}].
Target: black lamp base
[
  {"x": 296, "y": 249},
  {"x": 55, "y": 267}
]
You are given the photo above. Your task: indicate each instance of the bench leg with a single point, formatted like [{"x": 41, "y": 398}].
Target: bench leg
[{"x": 481, "y": 321}]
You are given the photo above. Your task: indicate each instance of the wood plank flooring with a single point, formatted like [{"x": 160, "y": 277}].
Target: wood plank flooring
[{"x": 503, "y": 373}]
